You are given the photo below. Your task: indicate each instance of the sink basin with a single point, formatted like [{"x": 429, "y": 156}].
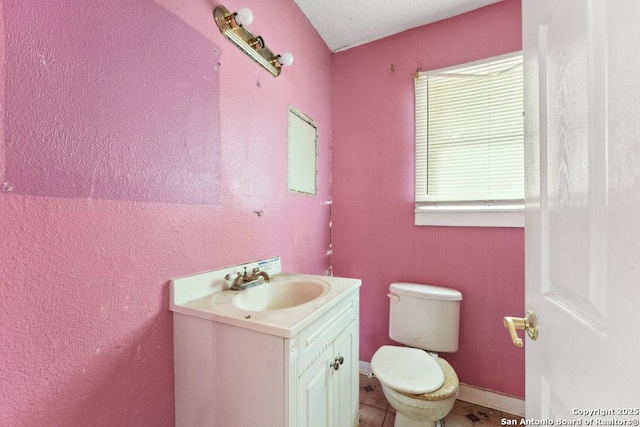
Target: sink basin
[{"x": 280, "y": 293}]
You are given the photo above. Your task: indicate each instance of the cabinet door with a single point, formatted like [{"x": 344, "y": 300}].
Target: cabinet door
[
  {"x": 346, "y": 378},
  {"x": 315, "y": 393}
]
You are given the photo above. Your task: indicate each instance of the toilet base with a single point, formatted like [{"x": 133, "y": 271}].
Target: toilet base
[
  {"x": 429, "y": 412},
  {"x": 404, "y": 421}
]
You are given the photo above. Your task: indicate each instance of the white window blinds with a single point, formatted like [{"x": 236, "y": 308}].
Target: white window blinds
[{"x": 469, "y": 134}]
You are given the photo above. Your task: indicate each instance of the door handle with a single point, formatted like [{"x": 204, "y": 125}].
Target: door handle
[{"x": 529, "y": 323}]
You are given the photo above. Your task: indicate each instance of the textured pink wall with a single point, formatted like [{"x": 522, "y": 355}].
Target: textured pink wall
[
  {"x": 114, "y": 87},
  {"x": 84, "y": 322},
  {"x": 372, "y": 172}
]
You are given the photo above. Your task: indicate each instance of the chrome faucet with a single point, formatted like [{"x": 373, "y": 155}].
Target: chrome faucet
[{"x": 244, "y": 281}]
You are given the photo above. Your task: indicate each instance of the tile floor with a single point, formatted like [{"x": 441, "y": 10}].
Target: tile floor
[{"x": 375, "y": 411}]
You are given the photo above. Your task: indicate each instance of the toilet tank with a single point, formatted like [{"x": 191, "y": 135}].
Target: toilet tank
[{"x": 424, "y": 316}]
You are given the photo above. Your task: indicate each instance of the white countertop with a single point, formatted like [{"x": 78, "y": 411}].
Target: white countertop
[{"x": 218, "y": 306}]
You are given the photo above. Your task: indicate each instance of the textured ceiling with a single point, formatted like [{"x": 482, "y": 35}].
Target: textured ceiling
[{"x": 347, "y": 23}]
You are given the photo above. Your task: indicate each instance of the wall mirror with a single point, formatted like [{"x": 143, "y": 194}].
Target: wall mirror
[{"x": 303, "y": 153}]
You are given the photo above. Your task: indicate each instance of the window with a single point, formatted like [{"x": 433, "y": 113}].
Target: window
[{"x": 470, "y": 144}]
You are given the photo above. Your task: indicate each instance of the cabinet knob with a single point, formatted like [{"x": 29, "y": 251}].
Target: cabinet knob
[{"x": 336, "y": 363}]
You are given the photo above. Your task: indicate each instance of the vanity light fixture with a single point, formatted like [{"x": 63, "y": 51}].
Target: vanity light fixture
[{"x": 234, "y": 27}]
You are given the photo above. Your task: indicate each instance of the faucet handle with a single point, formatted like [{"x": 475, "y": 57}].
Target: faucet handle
[
  {"x": 228, "y": 276},
  {"x": 255, "y": 270}
]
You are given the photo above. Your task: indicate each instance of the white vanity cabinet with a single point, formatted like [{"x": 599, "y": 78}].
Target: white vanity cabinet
[
  {"x": 326, "y": 396},
  {"x": 327, "y": 379},
  {"x": 232, "y": 375}
]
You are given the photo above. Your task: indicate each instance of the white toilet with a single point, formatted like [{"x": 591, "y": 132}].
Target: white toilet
[{"x": 420, "y": 386}]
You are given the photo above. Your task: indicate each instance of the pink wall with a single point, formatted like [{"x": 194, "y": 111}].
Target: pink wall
[
  {"x": 372, "y": 172},
  {"x": 84, "y": 322}
]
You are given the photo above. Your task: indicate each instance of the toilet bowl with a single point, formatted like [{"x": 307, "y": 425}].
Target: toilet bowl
[
  {"x": 420, "y": 386},
  {"x": 405, "y": 381}
]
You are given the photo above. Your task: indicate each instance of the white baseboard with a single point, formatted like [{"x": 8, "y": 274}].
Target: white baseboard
[
  {"x": 476, "y": 395},
  {"x": 491, "y": 399},
  {"x": 365, "y": 368}
]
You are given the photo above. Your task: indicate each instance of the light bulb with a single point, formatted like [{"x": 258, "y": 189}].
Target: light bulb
[
  {"x": 286, "y": 59},
  {"x": 244, "y": 16}
]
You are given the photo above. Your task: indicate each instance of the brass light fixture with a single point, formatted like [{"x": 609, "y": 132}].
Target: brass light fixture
[{"x": 233, "y": 26}]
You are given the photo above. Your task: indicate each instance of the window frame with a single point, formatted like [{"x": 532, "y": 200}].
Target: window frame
[{"x": 482, "y": 213}]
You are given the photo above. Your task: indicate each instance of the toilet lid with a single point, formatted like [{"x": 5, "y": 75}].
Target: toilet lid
[{"x": 408, "y": 370}]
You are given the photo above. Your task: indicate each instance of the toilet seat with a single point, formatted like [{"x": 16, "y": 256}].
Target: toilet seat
[
  {"x": 407, "y": 370},
  {"x": 448, "y": 390}
]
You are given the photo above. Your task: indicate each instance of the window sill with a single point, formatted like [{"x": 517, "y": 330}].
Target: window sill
[{"x": 470, "y": 216}]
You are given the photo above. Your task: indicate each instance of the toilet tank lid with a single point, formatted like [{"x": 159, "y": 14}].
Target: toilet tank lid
[{"x": 425, "y": 291}]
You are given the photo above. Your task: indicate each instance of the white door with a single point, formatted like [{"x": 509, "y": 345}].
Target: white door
[{"x": 582, "y": 124}]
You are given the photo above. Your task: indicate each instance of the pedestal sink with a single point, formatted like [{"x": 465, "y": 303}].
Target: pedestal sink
[{"x": 280, "y": 293}]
